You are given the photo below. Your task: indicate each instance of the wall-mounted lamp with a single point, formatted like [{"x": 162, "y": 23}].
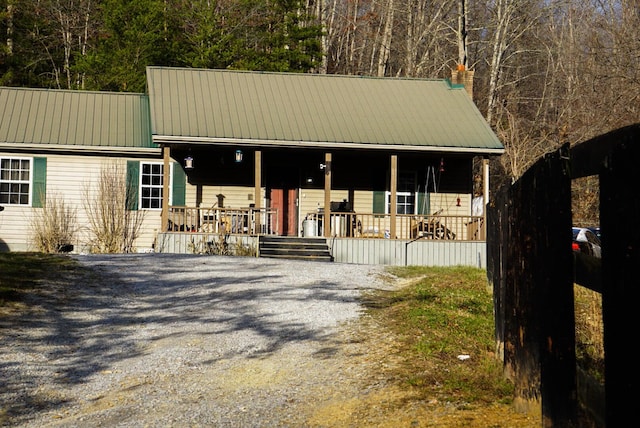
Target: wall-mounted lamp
[
  {"x": 188, "y": 162},
  {"x": 441, "y": 164},
  {"x": 238, "y": 156},
  {"x": 323, "y": 166},
  {"x": 458, "y": 203}
]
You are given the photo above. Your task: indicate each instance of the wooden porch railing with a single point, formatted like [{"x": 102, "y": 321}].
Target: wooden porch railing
[
  {"x": 237, "y": 221},
  {"x": 370, "y": 225},
  {"x": 264, "y": 221}
]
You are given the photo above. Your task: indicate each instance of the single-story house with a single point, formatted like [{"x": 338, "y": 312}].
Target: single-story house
[{"x": 388, "y": 161}]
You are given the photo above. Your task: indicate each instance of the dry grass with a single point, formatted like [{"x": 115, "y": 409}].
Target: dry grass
[
  {"x": 589, "y": 331},
  {"x": 54, "y": 226}
]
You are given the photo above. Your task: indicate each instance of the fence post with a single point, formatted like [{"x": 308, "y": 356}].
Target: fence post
[
  {"x": 619, "y": 208},
  {"x": 533, "y": 288}
]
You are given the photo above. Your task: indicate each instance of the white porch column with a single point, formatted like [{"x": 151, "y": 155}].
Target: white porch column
[
  {"x": 394, "y": 198},
  {"x": 326, "y": 223},
  {"x": 166, "y": 176},
  {"x": 257, "y": 198}
]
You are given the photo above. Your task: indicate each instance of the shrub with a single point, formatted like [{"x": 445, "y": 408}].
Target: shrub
[{"x": 54, "y": 226}]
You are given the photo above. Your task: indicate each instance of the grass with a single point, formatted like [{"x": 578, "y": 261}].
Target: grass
[
  {"x": 447, "y": 312},
  {"x": 444, "y": 315},
  {"x": 589, "y": 331},
  {"x": 24, "y": 273}
]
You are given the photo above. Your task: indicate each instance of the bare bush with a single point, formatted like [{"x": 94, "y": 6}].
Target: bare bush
[
  {"x": 113, "y": 220},
  {"x": 54, "y": 226}
]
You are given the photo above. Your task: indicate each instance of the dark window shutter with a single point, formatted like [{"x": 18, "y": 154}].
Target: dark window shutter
[
  {"x": 133, "y": 178},
  {"x": 424, "y": 203},
  {"x": 379, "y": 201},
  {"x": 179, "y": 186},
  {"x": 39, "y": 193}
]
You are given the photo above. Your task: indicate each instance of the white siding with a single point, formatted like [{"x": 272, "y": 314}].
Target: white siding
[
  {"x": 232, "y": 196},
  {"x": 68, "y": 177}
]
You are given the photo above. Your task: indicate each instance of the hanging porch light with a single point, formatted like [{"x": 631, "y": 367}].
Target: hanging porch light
[{"x": 188, "y": 162}]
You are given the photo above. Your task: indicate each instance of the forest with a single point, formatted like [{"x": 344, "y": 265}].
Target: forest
[{"x": 546, "y": 72}]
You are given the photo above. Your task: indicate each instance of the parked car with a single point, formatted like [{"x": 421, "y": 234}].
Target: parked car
[
  {"x": 596, "y": 230},
  {"x": 586, "y": 242}
]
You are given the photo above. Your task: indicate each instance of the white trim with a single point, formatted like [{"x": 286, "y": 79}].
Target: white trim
[
  {"x": 140, "y": 185},
  {"x": 30, "y": 194}
]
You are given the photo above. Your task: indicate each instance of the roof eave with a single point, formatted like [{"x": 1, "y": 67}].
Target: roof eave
[
  {"x": 75, "y": 149},
  {"x": 169, "y": 140}
]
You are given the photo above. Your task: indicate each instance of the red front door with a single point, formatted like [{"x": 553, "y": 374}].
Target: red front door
[{"x": 285, "y": 201}]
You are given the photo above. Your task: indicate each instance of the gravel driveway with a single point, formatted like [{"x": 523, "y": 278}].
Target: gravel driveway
[{"x": 182, "y": 340}]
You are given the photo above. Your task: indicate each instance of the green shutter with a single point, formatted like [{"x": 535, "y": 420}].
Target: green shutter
[
  {"x": 179, "y": 186},
  {"x": 423, "y": 203},
  {"x": 133, "y": 178},
  {"x": 379, "y": 201},
  {"x": 39, "y": 195}
]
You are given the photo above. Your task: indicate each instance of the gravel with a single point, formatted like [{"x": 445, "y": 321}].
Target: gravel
[{"x": 149, "y": 340}]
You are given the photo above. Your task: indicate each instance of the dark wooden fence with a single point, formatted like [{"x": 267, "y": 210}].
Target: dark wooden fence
[{"x": 530, "y": 264}]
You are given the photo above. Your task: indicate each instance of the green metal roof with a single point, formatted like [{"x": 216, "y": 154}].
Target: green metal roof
[
  {"x": 319, "y": 110},
  {"x": 74, "y": 120}
]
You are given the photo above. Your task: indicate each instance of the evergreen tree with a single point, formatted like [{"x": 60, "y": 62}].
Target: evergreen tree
[
  {"x": 131, "y": 38},
  {"x": 251, "y": 35}
]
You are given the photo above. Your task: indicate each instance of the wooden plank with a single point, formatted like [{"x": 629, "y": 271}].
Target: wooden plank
[
  {"x": 537, "y": 299},
  {"x": 619, "y": 207}
]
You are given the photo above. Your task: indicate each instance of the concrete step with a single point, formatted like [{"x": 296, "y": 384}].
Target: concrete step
[{"x": 286, "y": 247}]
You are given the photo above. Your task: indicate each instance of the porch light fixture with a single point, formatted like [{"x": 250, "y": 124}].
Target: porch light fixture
[
  {"x": 238, "y": 156},
  {"x": 188, "y": 162}
]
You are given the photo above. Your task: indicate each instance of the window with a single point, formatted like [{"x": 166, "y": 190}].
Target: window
[
  {"x": 151, "y": 185},
  {"x": 405, "y": 195},
  {"x": 15, "y": 181}
]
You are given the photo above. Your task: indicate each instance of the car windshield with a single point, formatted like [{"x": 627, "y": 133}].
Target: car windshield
[{"x": 575, "y": 233}]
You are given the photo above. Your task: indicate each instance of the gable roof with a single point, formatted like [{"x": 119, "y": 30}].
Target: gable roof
[
  {"x": 314, "y": 110},
  {"x": 74, "y": 120}
]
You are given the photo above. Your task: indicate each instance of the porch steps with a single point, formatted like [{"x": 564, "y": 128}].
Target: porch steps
[{"x": 291, "y": 247}]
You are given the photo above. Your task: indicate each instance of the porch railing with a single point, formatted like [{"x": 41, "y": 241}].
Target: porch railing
[
  {"x": 237, "y": 221},
  {"x": 369, "y": 225},
  {"x": 264, "y": 221}
]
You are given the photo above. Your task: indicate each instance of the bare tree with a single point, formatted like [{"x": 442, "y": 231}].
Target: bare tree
[{"x": 114, "y": 223}]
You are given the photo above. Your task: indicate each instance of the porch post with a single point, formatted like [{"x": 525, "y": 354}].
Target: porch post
[
  {"x": 327, "y": 196},
  {"x": 394, "y": 198},
  {"x": 485, "y": 194},
  {"x": 165, "y": 188},
  {"x": 257, "y": 198}
]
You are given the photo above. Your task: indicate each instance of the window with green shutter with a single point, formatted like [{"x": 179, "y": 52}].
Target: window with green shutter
[
  {"x": 146, "y": 184},
  {"x": 23, "y": 181}
]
